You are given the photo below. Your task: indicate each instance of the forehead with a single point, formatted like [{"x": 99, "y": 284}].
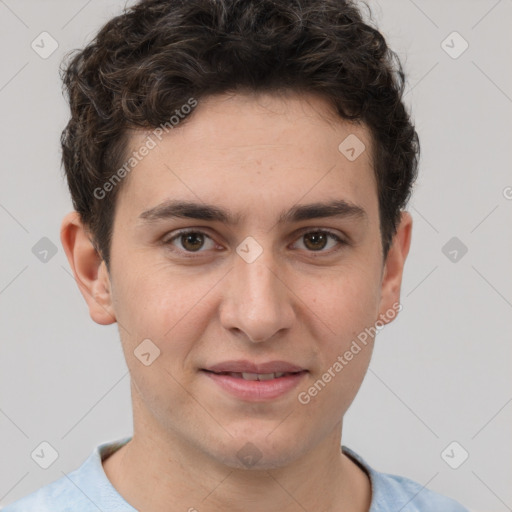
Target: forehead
[{"x": 253, "y": 152}]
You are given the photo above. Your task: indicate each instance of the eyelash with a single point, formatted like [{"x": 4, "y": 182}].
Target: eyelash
[{"x": 191, "y": 254}]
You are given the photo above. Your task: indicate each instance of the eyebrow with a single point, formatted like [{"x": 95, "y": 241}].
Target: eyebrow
[{"x": 171, "y": 209}]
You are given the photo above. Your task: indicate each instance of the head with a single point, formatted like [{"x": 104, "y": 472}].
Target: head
[{"x": 243, "y": 108}]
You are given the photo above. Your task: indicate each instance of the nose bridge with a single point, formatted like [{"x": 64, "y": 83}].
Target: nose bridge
[{"x": 258, "y": 301}]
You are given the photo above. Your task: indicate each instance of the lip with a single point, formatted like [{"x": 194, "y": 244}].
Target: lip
[
  {"x": 244, "y": 366},
  {"x": 255, "y": 390}
]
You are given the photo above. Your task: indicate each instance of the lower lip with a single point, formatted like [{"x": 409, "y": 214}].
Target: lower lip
[{"x": 257, "y": 390}]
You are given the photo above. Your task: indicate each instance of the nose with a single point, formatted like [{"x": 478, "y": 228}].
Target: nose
[{"x": 257, "y": 300}]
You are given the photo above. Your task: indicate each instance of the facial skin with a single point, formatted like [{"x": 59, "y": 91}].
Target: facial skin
[{"x": 256, "y": 156}]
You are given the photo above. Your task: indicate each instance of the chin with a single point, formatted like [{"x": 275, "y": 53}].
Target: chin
[
  {"x": 260, "y": 450},
  {"x": 251, "y": 458}
]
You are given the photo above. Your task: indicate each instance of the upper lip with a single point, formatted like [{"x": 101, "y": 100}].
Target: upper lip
[{"x": 243, "y": 366}]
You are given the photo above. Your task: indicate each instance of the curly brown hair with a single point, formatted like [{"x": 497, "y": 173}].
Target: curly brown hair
[{"x": 150, "y": 60}]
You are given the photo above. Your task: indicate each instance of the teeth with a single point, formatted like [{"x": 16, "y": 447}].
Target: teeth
[
  {"x": 250, "y": 376},
  {"x": 256, "y": 376},
  {"x": 266, "y": 376},
  {"x": 259, "y": 376}
]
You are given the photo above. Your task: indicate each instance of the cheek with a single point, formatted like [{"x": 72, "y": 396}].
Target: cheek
[
  {"x": 167, "y": 306},
  {"x": 164, "y": 307},
  {"x": 347, "y": 300},
  {"x": 343, "y": 354},
  {"x": 348, "y": 305}
]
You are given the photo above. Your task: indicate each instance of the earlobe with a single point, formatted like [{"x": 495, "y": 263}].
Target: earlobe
[
  {"x": 394, "y": 266},
  {"x": 88, "y": 269}
]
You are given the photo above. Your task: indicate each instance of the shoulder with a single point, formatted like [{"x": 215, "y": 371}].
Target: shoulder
[
  {"x": 410, "y": 496},
  {"x": 86, "y": 489},
  {"x": 393, "y": 492},
  {"x": 58, "y": 496}
]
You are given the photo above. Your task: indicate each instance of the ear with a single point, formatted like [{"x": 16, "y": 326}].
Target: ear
[
  {"x": 393, "y": 269},
  {"x": 88, "y": 268}
]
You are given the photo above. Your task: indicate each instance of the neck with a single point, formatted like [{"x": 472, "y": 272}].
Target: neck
[{"x": 157, "y": 468}]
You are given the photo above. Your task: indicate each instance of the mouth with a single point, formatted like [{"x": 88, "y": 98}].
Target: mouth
[
  {"x": 257, "y": 383},
  {"x": 244, "y": 366},
  {"x": 256, "y": 376}
]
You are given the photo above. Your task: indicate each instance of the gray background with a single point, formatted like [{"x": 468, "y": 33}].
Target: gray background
[{"x": 440, "y": 372}]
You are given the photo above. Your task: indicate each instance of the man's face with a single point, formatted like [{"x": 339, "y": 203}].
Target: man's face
[{"x": 259, "y": 290}]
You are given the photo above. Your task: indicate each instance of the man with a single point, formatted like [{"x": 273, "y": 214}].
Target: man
[{"x": 239, "y": 172}]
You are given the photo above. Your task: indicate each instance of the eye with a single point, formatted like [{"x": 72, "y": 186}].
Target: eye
[
  {"x": 317, "y": 240},
  {"x": 191, "y": 241}
]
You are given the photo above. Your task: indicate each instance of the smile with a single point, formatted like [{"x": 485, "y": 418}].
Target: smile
[
  {"x": 256, "y": 387},
  {"x": 255, "y": 376}
]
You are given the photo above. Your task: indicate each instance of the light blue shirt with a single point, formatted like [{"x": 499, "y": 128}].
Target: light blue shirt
[{"x": 87, "y": 489}]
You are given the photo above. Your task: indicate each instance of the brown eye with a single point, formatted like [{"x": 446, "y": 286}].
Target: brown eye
[
  {"x": 192, "y": 241},
  {"x": 315, "y": 240},
  {"x": 318, "y": 240},
  {"x": 188, "y": 242}
]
